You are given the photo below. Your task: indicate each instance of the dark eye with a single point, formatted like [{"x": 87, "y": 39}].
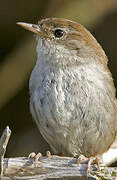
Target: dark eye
[{"x": 58, "y": 33}]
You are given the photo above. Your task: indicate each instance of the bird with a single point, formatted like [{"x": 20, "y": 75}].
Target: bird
[{"x": 72, "y": 93}]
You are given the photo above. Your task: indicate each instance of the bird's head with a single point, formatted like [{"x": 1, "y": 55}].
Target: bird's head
[{"x": 67, "y": 39}]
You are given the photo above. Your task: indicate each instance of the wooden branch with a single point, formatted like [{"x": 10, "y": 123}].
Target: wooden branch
[
  {"x": 48, "y": 168},
  {"x": 3, "y": 144},
  {"x": 45, "y": 168},
  {"x": 54, "y": 167}
]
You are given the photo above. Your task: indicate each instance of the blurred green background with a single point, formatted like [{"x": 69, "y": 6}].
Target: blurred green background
[{"x": 18, "y": 56}]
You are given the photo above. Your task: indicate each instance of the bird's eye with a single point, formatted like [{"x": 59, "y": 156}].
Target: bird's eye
[{"x": 58, "y": 33}]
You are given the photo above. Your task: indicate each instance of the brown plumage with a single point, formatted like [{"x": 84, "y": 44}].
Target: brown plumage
[{"x": 72, "y": 92}]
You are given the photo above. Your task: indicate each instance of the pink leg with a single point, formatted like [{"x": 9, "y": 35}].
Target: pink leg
[
  {"x": 90, "y": 161},
  {"x": 36, "y": 157},
  {"x": 93, "y": 161}
]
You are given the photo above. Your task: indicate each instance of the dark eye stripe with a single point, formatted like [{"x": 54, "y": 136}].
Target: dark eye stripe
[{"x": 58, "y": 33}]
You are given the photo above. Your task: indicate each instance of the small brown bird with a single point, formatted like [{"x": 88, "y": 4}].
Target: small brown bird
[{"x": 72, "y": 95}]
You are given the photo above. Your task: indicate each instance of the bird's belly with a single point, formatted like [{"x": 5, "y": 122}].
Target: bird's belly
[
  {"x": 70, "y": 120},
  {"x": 54, "y": 117}
]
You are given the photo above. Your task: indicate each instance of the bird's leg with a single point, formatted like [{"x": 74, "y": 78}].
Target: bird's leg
[
  {"x": 93, "y": 161},
  {"x": 89, "y": 161}
]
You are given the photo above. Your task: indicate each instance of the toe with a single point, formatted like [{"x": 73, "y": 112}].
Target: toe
[
  {"x": 81, "y": 159},
  {"x": 31, "y": 155},
  {"x": 37, "y": 157},
  {"x": 48, "y": 154}
]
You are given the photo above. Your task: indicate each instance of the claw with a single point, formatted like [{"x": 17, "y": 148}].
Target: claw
[
  {"x": 91, "y": 162},
  {"x": 94, "y": 161},
  {"x": 81, "y": 158},
  {"x": 35, "y": 158},
  {"x": 48, "y": 154},
  {"x": 31, "y": 155}
]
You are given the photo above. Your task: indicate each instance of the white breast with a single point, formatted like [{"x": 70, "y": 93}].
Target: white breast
[{"x": 66, "y": 103}]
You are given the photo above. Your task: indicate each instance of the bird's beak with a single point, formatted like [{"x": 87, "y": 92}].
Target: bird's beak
[{"x": 31, "y": 27}]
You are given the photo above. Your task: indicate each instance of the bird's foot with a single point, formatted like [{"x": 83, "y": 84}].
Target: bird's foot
[
  {"x": 91, "y": 163},
  {"x": 36, "y": 157},
  {"x": 81, "y": 159},
  {"x": 48, "y": 154}
]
